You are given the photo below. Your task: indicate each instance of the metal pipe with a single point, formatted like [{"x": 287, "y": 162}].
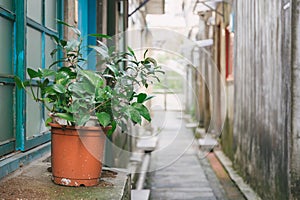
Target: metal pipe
[
  {"x": 139, "y": 7},
  {"x": 143, "y": 172}
]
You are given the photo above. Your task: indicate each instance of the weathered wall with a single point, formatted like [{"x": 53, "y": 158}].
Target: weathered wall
[
  {"x": 227, "y": 140},
  {"x": 263, "y": 95},
  {"x": 222, "y": 23},
  {"x": 295, "y": 150},
  {"x": 70, "y": 17}
]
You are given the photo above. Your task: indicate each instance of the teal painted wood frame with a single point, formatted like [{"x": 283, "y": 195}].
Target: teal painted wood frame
[
  {"x": 20, "y": 20},
  {"x": 14, "y": 162},
  {"x": 19, "y": 71},
  {"x": 32, "y": 142},
  {"x": 7, "y": 146},
  {"x": 7, "y": 14},
  {"x": 87, "y": 12}
]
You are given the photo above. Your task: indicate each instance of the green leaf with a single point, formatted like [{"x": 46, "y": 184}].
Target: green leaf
[
  {"x": 76, "y": 30},
  {"x": 59, "y": 88},
  {"x": 143, "y": 110},
  {"x": 159, "y": 71},
  {"x": 44, "y": 83},
  {"x": 100, "y": 35},
  {"x": 152, "y": 60},
  {"x": 33, "y": 74},
  {"x": 56, "y": 62},
  {"x": 81, "y": 88},
  {"x": 62, "y": 78},
  {"x": 66, "y": 116},
  {"x": 102, "y": 50},
  {"x": 141, "y": 97},
  {"x": 95, "y": 79},
  {"x": 108, "y": 76},
  {"x": 26, "y": 83},
  {"x": 82, "y": 119},
  {"x": 113, "y": 128},
  {"x": 104, "y": 118},
  {"x": 19, "y": 83},
  {"x": 63, "y": 23},
  {"x": 68, "y": 71},
  {"x": 63, "y": 43},
  {"x": 53, "y": 52},
  {"x": 113, "y": 69},
  {"x": 55, "y": 38},
  {"x": 132, "y": 95},
  {"x": 134, "y": 115},
  {"x": 48, "y": 72},
  {"x": 131, "y": 52},
  {"x": 146, "y": 53},
  {"x": 148, "y": 98},
  {"x": 48, "y": 120}
]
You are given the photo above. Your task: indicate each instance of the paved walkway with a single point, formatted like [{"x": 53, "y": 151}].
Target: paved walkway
[{"x": 178, "y": 172}]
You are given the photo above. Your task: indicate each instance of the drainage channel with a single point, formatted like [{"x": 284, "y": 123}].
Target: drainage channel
[{"x": 141, "y": 191}]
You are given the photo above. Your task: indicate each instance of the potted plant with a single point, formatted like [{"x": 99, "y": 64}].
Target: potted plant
[{"x": 84, "y": 105}]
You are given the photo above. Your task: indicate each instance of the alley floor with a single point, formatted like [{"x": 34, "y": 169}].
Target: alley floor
[{"x": 180, "y": 170}]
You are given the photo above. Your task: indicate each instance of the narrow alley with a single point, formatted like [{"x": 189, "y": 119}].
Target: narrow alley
[{"x": 179, "y": 169}]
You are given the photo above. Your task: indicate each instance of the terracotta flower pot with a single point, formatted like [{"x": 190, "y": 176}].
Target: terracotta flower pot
[{"x": 77, "y": 154}]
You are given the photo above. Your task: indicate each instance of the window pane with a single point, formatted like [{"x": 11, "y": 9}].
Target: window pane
[
  {"x": 6, "y": 4},
  {"x": 50, "y": 13},
  {"x": 34, "y": 48},
  {"x": 6, "y": 30},
  {"x": 50, "y": 45},
  {"x": 6, "y": 106},
  {"x": 34, "y": 120},
  {"x": 34, "y": 10}
]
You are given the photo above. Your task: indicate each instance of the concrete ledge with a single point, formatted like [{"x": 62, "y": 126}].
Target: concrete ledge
[
  {"x": 247, "y": 191},
  {"x": 140, "y": 194},
  {"x": 9, "y": 165},
  {"x": 192, "y": 125},
  {"x": 147, "y": 144},
  {"x": 207, "y": 143},
  {"x": 34, "y": 182}
]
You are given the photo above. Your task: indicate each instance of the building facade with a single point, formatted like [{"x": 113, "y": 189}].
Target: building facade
[
  {"x": 256, "y": 50},
  {"x": 261, "y": 130}
]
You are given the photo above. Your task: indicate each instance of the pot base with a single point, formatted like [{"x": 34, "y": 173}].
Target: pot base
[{"x": 75, "y": 182}]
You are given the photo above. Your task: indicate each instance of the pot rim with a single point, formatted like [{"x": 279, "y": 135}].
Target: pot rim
[{"x": 86, "y": 128}]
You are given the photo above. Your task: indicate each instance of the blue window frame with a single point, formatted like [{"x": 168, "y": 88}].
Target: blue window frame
[
  {"x": 26, "y": 27},
  {"x": 87, "y": 11}
]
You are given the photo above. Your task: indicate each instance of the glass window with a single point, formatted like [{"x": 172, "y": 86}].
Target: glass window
[
  {"x": 34, "y": 120},
  {"x": 40, "y": 17},
  {"x": 6, "y": 30},
  {"x": 50, "y": 45},
  {"x": 50, "y": 14},
  {"x": 34, "y": 48},
  {"x": 34, "y": 10},
  {"x": 6, "y": 106},
  {"x": 6, "y": 4}
]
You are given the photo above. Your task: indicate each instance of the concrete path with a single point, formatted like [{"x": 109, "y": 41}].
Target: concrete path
[{"x": 178, "y": 172}]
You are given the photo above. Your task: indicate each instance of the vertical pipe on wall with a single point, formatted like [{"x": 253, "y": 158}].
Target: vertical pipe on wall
[
  {"x": 111, "y": 17},
  {"x": 20, "y": 66}
]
